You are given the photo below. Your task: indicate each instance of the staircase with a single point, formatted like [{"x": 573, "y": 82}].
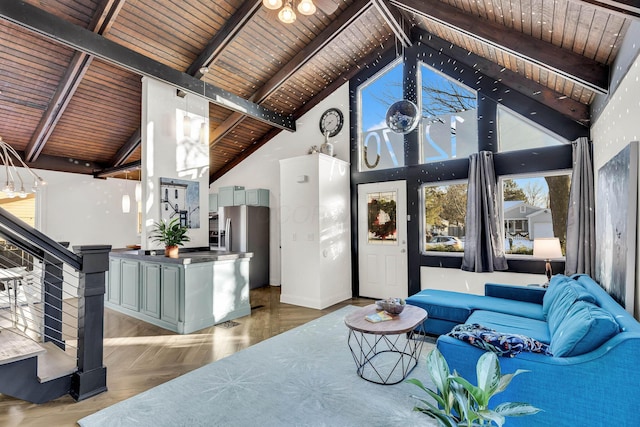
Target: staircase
[
  {"x": 31, "y": 371},
  {"x": 51, "y": 316}
]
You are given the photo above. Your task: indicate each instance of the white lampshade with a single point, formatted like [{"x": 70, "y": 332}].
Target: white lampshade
[
  {"x": 126, "y": 203},
  {"x": 287, "y": 15},
  {"x": 272, "y": 4},
  {"x": 204, "y": 133},
  {"x": 547, "y": 248},
  {"x": 306, "y": 7},
  {"x": 138, "y": 192},
  {"x": 186, "y": 125}
]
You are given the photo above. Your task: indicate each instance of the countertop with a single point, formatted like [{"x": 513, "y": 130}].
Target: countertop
[{"x": 185, "y": 256}]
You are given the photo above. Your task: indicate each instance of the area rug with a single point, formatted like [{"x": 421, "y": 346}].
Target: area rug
[{"x": 303, "y": 377}]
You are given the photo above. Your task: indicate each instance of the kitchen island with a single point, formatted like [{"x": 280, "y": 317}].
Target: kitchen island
[{"x": 185, "y": 294}]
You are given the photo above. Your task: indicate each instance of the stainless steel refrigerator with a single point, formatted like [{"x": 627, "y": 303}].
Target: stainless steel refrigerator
[{"x": 246, "y": 229}]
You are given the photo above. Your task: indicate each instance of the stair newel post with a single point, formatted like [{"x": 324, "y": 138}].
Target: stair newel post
[
  {"x": 53, "y": 280},
  {"x": 91, "y": 377}
]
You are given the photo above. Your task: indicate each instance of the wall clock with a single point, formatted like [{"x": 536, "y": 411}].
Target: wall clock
[{"x": 331, "y": 122}]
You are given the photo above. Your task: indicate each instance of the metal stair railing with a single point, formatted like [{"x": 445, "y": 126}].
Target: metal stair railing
[{"x": 54, "y": 295}]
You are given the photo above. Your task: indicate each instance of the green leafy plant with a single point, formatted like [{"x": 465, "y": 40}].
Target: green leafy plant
[
  {"x": 460, "y": 403},
  {"x": 171, "y": 233}
]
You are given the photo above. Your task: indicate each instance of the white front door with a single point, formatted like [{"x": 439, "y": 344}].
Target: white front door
[{"x": 382, "y": 239}]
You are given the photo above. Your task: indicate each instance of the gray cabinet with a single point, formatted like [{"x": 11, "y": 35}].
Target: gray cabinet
[
  {"x": 130, "y": 285},
  {"x": 113, "y": 286},
  {"x": 170, "y": 310},
  {"x": 151, "y": 285},
  {"x": 257, "y": 197},
  {"x": 182, "y": 296}
]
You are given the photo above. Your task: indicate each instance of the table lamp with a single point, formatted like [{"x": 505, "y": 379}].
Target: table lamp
[{"x": 547, "y": 248}]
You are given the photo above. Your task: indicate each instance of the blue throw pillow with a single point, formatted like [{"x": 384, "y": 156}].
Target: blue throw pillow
[
  {"x": 569, "y": 293},
  {"x": 498, "y": 342},
  {"x": 556, "y": 284},
  {"x": 585, "y": 328}
]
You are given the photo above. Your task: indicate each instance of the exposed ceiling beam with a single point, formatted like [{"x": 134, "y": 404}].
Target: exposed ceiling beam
[
  {"x": 577, "y": 68},
  {"x": 224, "y": 36},
  {"x": 64, "y": 164},
  {"x": 367, "y": 61},
  {"x": 127, "y": 149},
  {"x": 626, "y": 8},
  {"x": 103, "y": 19},
  {"x": 332, "y": 31},
  {"x": 564, "y": 105},
  {"x": 54, "y": 28},
  {"x": 107, "y": 172},
  {"x": 394, "y": 20}
]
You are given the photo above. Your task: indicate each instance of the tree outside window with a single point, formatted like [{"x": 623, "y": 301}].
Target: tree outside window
[
  {"x": 445, "y": 208},
  {"x": 534, "y": 207}
]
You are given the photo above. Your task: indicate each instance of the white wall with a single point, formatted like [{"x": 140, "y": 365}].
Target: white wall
[
  {"x": 616, "y": 126},
  {"x": 83, "y": 210},
  {"x": 453, "y": 279},
  {"x": 167, "y": 153},
  {"x": 262, "y": 168}
]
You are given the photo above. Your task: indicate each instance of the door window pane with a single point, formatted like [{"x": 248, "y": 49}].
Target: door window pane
[
  {"x": 534, "y": 207},
  {"x": 449, "y": 125},
  {"x": 379, "y": 147},
  {"x": 445, "y": 209},
  {"x": 382, "y": 218}
]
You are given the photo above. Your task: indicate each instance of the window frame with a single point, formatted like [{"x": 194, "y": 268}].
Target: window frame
[
  {"x": 420, "y": 128},
  {"x": 359, "y": 113},
  {"x": 423, "y": 216},
  {"x": 500, "y": 194},
  {"x": 537, "y": 126}
]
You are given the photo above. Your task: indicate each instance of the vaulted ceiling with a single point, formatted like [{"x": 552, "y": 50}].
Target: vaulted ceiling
[{"x": 70, "y": 70}]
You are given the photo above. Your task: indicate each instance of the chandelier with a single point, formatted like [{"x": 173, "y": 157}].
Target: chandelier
[
  {"x": 7, "y": 153},
  {"x": 286, "y": 14}
]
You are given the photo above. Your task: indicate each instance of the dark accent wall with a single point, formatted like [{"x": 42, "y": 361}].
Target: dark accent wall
[{"x": 491, "y": 93}]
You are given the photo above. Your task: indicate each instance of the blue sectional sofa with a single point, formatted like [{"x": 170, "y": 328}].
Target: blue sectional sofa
[{"x": 593, "y": 375}]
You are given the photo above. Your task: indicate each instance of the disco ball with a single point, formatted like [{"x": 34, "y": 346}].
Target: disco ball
[{"x": 403, "y": 116}]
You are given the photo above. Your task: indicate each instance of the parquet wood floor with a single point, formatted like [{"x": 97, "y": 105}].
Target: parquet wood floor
[{"x": 140, "y": 356}]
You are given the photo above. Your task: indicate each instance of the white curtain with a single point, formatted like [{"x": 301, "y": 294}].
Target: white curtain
[
  {"x": 581, "y": 219},
  {"x": 483, "y": 246}
]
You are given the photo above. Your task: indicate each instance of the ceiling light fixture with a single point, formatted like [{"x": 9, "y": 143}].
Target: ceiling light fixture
[
  {"x": 6, "y": 151},
  {"x": 287, "y": 14},
  {"x": 126, "y": 201}
]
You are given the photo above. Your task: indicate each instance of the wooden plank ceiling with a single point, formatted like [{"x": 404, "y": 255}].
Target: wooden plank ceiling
[{"x": 67, "y": 110}]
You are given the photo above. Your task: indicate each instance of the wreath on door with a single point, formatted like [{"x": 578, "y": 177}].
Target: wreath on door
[{"x": 382, "y": 218}]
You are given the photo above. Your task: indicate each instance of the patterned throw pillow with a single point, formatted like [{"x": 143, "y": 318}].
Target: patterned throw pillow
[{"x": 498, "y": 342}]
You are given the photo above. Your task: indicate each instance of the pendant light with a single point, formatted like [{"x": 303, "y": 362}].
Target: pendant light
[
  {"x": 272, "y": 4},
  {"x": 287, "y": 15},
  {"x": 138, "y": 192},
  {"x": 306, "y": 7},
  {"x": 126, "y": 201}
]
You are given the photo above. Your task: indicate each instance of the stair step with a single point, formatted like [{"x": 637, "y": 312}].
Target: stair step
[
  {"x": 14, "y": 346},
  {"x": 54, "y": 363}
]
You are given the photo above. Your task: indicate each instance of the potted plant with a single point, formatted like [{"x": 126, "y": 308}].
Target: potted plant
[
  {"x": 172, "y": 234},
  {"x": 458, "y": 402}
]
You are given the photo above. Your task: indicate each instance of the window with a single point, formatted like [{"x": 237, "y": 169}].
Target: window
[
  {"x": 449, "y": 122},
  {"x": 533, "y": 207},
  {"x": 382, "y": 221},
  {"x": 517, "y": 133},
  {"x": 379, "y": 147},
  {"x": 24, "y": 209},
  {"x": 445, "y": 208}
]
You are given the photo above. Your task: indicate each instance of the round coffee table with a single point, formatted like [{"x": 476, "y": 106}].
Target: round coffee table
[{"x": 385, "y": 352}]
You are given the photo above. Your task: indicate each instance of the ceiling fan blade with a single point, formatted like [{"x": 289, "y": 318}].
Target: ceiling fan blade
[{"x": 327, "y": 6}]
